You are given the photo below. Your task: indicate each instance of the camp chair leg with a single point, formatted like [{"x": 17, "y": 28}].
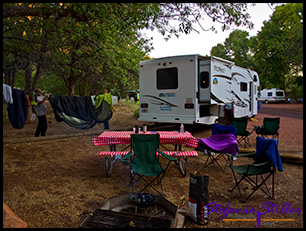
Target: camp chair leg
[
  {"x": 237, "y": 185},
  {"x": 255, "y": 185},
  {"x": 149, "y": 181},
  {"x": 215, "y": 160},
  {"x": 150, "y": 184},
  {"x": 109, "y": 163},
  {"x": 183, "y": 167},
  {"x": 259, "y": 187},
  {"x": 273, "y": 187}
]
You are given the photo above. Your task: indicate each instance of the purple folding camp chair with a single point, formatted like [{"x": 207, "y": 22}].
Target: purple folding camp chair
[{"x": 218, "y": 146}]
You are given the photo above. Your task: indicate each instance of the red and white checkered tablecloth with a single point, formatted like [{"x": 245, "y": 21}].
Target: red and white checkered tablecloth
[
  {"x": 170, "y": 153},
  {"x": 124, "y": 137}
]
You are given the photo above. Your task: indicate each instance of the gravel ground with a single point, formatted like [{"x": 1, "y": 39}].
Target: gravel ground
[{"x": 50, "y": 183}]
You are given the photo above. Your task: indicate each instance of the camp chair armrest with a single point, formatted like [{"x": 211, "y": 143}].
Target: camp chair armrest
[
  {"x": 246, "y": 154},
  {"x": 127, "y": 157},
  {"x": 167, "y": 156},
  {"x": 260, "y": 164},
  {"x": 242, "y": 154}
]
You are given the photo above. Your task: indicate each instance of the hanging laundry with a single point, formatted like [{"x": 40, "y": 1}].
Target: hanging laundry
[
  {"x": 28, "y": 100},
  {"x": 18, "y": 111},
  {"x": 7, "y": 93},
  {"x": 80, "y": 112},
  {"x": 103, "y": 107}
]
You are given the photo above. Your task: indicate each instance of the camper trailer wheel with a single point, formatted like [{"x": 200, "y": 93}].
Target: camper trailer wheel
[
  {"x": 183, "y": 166},
  {"x": 266, "y": 101}
]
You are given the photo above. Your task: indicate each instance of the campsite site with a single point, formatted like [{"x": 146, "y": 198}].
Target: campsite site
[{"x": 50, "y": 181}]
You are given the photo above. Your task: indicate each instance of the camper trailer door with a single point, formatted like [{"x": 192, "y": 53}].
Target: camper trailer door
[{"x": 204, "y": 81}]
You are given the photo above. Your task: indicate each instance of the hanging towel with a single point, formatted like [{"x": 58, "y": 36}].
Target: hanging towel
[
  {"x": 18, "y": 111},
  {"x": 7, "y": 93},
  {"x": 270, "y": 148},
  {"x": 79, "y": 111}
]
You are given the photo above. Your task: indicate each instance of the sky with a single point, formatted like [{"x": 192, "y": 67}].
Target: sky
[{"x": 195, "y": 43}]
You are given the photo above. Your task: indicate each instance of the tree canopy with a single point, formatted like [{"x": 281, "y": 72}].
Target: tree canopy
[
  {"x": 280, "y": 46},
  {"x": 276, "y": 53},
  {"x": 82, "y": 48}
]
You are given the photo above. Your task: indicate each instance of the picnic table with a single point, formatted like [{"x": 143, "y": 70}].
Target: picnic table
[{"x": 112, "y": 138}]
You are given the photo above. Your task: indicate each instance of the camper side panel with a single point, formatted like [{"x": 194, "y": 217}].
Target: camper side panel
[
  {"x": 220, "y": 82},
  {"x": 244, "y": 90},
  {"x": 167, "y": 90}
]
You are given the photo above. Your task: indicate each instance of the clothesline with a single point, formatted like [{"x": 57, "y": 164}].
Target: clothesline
[{"x": 82, "y": 112}]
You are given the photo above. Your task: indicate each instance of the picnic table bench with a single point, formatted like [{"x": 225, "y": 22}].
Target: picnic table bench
[{"x": 166, "y": 137}]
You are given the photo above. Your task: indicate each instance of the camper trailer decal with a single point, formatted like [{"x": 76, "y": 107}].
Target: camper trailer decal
[
  {"x": 213, "y": 97},
  {"x": 215, "y": 81},
  {"x": 223, "y": 76},
  {"x": 236, "y": 73},
  {"x": 166, "y": 95},
  {"x": 157, "y": 101},
  {"x": 240, "y": 102},
  {"x": 165, "y": 108},
  {"x": 219, "y": 69}
]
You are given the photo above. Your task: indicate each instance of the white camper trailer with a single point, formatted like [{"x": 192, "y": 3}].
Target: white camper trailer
[
  {"x": 273, "y": 95},
  {"x": 194, "y": 89}
]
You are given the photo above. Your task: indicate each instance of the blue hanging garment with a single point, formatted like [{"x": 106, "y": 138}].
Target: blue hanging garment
[{"x": 18, "y": 110}]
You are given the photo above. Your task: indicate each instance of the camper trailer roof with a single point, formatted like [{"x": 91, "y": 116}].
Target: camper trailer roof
[{"x": 185, "y": 56}]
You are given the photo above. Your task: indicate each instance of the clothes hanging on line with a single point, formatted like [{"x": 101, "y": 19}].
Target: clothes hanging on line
[
  {"x": 18, "y": 110},
  {"x": 80, "y": 111},
  {"x": 7, "y": 93}
]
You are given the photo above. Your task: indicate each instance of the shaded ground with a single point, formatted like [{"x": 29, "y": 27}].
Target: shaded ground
[{"x": 50, "y": 183}]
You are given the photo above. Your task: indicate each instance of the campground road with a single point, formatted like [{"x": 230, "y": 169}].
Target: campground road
[{"x": 281, "y": 110}]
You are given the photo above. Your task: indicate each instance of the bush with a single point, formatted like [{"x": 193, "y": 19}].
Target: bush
[{"x": 136, "y": 113}]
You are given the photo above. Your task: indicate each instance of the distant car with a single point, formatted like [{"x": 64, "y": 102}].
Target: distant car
[
  {"x": 273, "y": 95},
  {"x": 300, "y": 100}
]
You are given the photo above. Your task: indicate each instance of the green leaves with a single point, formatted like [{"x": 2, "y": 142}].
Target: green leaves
[
  {"x": 276, "y": 53},
  {"x": 236, "y": 48},
  {"x": 280, "y": 45},
  {"x": 99, "y": 44}
]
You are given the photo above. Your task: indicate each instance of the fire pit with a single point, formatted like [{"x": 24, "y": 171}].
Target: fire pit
[{"x": 122, "y": 212}]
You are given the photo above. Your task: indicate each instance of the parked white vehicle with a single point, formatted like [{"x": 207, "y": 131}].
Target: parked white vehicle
[
  {"x": 271, "y": 95},
  {"x": 194, "y": 89}
]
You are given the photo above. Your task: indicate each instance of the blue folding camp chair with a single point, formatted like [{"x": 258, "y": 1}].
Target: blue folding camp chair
[{"x": 267, "y": 159}]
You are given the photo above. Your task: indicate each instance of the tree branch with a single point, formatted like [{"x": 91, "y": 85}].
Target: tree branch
[{"x": 11, "y": 11}]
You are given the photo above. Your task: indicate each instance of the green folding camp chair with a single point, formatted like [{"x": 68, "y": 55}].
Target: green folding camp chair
[
  {"x": 270, "y": 128},
  {"x": 262, "y": 167},
  {"x": 144, "y": 164},
  {"x": 240, "y": 124}
]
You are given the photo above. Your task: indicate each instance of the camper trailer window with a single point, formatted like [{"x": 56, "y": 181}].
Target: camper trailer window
[
  {"x": 279, "y": 93},
  {"x": 167, "y": 78},
  {"x": 270, "y": 93},
  {"x": 204, "y": 79},
  {"x": 243, "y": 86}
]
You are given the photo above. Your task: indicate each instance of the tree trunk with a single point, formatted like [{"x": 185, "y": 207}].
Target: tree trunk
[
  {"x": 7, "y": 77},
  {"x": 28, "y": 77},
  {"x": 71, "y": 87},
  {"x": 13, "y": 80},
  {"x": 38, "y": 74}
]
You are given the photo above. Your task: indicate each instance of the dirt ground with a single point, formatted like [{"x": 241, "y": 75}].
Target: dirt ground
[{"x": 50, "y": 183}]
